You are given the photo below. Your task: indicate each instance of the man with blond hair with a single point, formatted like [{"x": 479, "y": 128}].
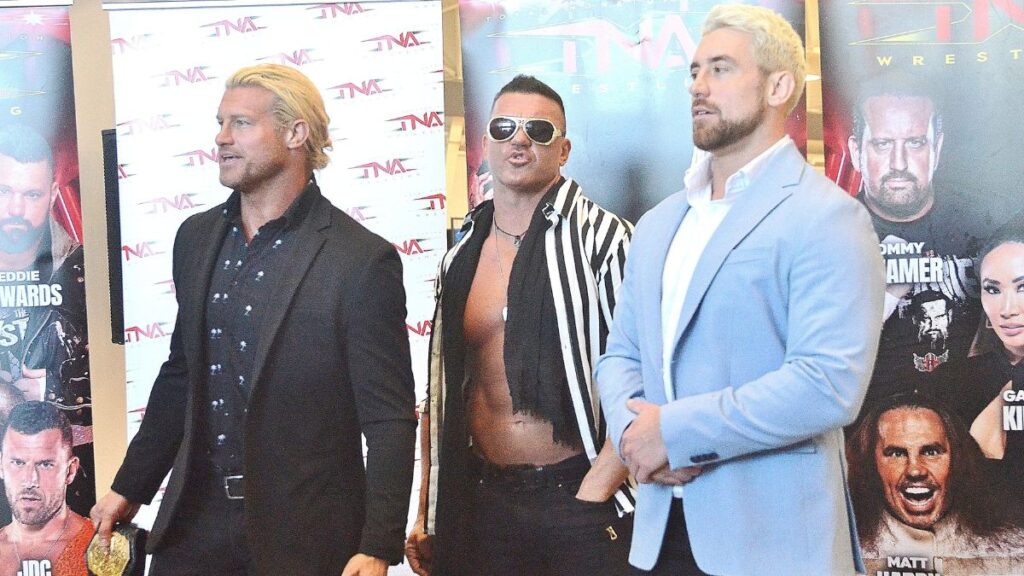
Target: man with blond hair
[
  {"x": 735, "y": 357},
  {"x": 290, "y": 344}
]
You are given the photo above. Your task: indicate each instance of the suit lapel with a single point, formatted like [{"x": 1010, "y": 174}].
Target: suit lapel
[
  {"x": 757, "y": 202},
  {"x": 307, "y": 243},
  {"x": 206, "y": 260},
  {"x": 652, "y": 294}
]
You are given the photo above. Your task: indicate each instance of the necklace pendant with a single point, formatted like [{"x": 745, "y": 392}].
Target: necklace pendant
[
  {"x": 517, "y": 240},
  {"x": 504, "y": 314}
]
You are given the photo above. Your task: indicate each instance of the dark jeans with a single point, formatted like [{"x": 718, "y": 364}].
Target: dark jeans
[
  {"x": 207, "y": 537},
  {"x": 676, "y": 557},
  {"x": 532, "y": 524}
]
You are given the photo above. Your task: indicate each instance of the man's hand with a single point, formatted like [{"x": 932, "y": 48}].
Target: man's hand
[
  {"x": 605, "y": 476},
  {"x": 32, "y": 383},
  {"x": 364, "y": 565},
  {"x": 109, "y": 510},
  {"x": 642, "y": 446},
  {"x": 419, "y": 550}
]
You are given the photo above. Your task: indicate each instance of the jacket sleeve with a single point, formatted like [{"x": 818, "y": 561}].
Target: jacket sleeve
[
  {"x": 382, "y": 381},
  {"x": 152, "y": 451}
]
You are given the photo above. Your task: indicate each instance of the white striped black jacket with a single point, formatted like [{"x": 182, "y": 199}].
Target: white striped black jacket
[{"x": 585, "y": 249}]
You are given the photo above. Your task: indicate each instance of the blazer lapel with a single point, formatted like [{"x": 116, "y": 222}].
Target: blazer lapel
[
  {"x": 758, "y": 201},
  {"x": 196, "y": 308},
  {"x": 307, "y": 244},
  {"x": 652, "y": 295}
]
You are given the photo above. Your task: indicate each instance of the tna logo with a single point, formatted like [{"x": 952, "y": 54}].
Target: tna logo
[
  {"x": 404, "y": 40},
  {"x": 122, "y": 172},
  {"x": 365, "y": 88},
  {"x": 436, "y": 201},
  {"x": 163, "y": 204},
  {"x": 296, "y": 58},
  {"x": 149, "y": 332},
  {"x": 132, "y": 43},
  {"x": 332, "y": 10},
  {"x": 140, "y": 250},
  {"x": 200, "y": 157},
  {"x": 358, "y": 213},
  {"x": 240, "y": 25},
  {"x": 143, "y": 125},
  {"x": 412, "y": 247},
  {"x": 422, "y": 328},
  {"x": 190, "y": 76},
  {"x": 388, "y": 168},
  {"x": 168, "y": 285},
  {"x": 411, "y": 121}
]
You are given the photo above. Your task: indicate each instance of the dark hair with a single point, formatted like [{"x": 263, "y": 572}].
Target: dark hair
[
  {"x": 918, "y": 300},
  {"x": 899, "y": 85},
  {"x": 1012, "y": 232},
  {"x": 33, "y": 417},
  {"x": 980, "y": 502},
  {"x": 24, "y": 145},
  {"x": 525, "y": 84}
]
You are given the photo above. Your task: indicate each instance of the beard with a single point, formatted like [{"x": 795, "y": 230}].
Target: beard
[
  {"x": 727, "y": 132},
  {"x": 904, "y": 202},
  {"x": 36, "y": 512},
  {"x": 21, "y": 238}
]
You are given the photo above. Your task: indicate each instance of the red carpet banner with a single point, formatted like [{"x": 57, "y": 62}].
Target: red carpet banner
[
  {"x": 45, "y": 402},
  {"x": 922, "y": 122},
  {"x": 379, "y": 67},
  {"x": 621, "y": 69}
]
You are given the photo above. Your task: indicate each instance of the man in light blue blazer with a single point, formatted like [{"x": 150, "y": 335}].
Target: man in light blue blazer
[{"x": 745, "y": 333}]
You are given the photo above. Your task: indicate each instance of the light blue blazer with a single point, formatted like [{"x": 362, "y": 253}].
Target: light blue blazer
[{"x": 773, "y": 354}]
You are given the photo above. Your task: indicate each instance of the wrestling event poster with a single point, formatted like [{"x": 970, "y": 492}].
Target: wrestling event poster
[
  {"x": 622, "y": 70},
  {"x": 922, "y": 107},
  {"x": 379, "y": 68},
  {"x": 45, "y": 400}
]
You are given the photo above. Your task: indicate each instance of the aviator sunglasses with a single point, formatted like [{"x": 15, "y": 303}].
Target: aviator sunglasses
[{"x": 541, "y": 131}]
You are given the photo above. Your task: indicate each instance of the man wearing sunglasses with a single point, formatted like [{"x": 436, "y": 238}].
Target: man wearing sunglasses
[
  {"x": 518, "y": 475},
  {"x": 745, "y": 333}
]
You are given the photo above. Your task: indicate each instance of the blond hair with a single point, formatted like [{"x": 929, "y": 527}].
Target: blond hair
[
  {"x": 776, "y": 45},
  {"x": 295, "y": 98}
]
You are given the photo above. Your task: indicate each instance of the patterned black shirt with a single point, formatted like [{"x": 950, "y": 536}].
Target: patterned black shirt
[{"x": 242, "y": 283}]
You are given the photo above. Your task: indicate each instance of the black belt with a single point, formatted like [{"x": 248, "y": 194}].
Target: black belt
[
  {"x": 221, "y": 482},
  {"x": 567, "y": 471}
]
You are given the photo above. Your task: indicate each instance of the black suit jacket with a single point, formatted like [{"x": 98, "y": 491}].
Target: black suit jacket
[{"x": 333, "y": 362}]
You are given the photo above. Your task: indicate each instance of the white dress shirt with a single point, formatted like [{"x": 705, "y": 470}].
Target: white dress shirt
[{"x": 698, "y": 226}]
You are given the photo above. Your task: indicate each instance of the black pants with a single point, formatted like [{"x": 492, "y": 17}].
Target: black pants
[
  {"x": 530, "y": 523},
  {"x": 207, "y": 537},
  {"x": 676, "y": 557}
]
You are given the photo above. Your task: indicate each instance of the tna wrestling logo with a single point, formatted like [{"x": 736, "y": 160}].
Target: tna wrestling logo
[
  {"x": 145, "y": 125},
  {"x": 333, "y": 10},
  {"x": 225, "y": 28},
  {"x": 296, "y": 58},
  {"x": 404, "y": 40},
  {"x": 930, "y": 361},
  {"x": 391, "y": 167},
  {"x": 192, "y": 75},
  {"x": 349, "y": 90},
  {"x": 412, "y": 121}
]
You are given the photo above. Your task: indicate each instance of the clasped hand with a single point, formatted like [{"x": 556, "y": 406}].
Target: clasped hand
[{"x": 644, "y": 451}]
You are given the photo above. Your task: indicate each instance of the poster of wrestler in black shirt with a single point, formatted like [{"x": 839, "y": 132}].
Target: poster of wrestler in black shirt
[
  {"x": 922, "y": 124},
  {"x": 45, "y": 403}
]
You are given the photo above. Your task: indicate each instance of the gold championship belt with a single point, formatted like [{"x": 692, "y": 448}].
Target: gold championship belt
[{"x": 127, "y": 543}]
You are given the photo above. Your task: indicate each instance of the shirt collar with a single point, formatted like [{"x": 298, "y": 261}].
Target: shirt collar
[
  {"x": 291, "y": 218},
  {"x": 698, "y": 177}
]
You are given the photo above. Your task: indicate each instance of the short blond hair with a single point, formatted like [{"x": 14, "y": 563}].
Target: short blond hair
[
  {"x": 295, "y": 98},
  {"x": 776, "y": 44}
]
